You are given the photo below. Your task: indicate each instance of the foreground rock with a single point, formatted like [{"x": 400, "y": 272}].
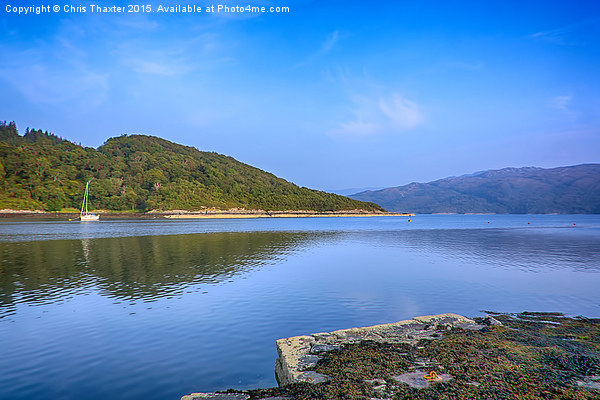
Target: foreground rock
[
  {"x": 216, "y": 396},
  {"x": 299, "y": 354},
  {"x": 528, "y": 355}
]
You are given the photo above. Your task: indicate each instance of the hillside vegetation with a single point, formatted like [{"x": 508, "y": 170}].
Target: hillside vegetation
[
  {"x": 42, "y": 171},
  {"x": 529, "y": 190}
]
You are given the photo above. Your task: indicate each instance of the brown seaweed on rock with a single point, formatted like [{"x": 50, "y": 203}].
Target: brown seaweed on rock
[{"x": 530, "y": 356}]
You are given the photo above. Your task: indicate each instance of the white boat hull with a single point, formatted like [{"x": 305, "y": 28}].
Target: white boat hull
[{"x": 90, "y": 217}]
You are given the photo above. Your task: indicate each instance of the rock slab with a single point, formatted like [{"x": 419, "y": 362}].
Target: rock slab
[
  {"x": 296, "y": 354},
  {"x": 216, "y": 396}
]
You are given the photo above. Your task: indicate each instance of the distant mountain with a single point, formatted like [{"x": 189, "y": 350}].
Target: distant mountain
[
  {"x": 40, "y": 170},
  {"x": 348, "y": 191},
  {"x": 529, "y": 190}
]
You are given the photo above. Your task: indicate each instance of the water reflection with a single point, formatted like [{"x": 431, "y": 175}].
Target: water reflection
[
  {"x": 97, "y": 337},
  {"x": 533, "y": 250},
  {"x": 130, "y": 268},
  {"x": 149, "y": 267}
]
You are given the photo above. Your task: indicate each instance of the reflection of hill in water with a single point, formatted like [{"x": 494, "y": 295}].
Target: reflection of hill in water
[
  {"x": 528, "y": 249},
  {"x": 149, "y": 267},
  {"x": 143, "y": 267}
]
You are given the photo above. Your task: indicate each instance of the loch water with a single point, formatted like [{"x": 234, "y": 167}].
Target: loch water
[{"x": 156, "y": 309}]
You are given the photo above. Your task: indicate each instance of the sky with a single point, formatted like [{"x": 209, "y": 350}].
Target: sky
[{"x": 329, "y": 95}]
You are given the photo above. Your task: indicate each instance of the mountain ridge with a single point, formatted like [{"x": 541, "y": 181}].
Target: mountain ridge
[{"x": 527, "y": 190}]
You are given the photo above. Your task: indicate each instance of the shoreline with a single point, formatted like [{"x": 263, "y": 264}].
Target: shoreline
[
  {"x": 207, "y": 214},
  {"x": 284, "y": 214}
]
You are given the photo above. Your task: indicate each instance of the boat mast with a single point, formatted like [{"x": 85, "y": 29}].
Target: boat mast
[{"x": 84, "y": 203}]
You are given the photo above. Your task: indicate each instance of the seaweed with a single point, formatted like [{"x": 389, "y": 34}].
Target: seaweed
[{"x": 531, "y": 356}]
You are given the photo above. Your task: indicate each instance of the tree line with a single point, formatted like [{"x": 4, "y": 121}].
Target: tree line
[{"x": 40, "y": 170}]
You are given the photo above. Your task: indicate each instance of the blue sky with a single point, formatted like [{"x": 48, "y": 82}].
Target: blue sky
[{"x": 331, "y": 95}]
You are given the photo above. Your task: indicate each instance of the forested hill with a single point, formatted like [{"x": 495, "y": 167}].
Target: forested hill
[
  {"x": 530, "y": 190},
  {"x": 40, "y": 170}
]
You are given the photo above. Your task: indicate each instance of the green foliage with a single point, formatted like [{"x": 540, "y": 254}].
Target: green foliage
[
  {"x": 143, "y": 173},
  {"x": 11, "y": 203},
  {"x": 8, "y": 132}
]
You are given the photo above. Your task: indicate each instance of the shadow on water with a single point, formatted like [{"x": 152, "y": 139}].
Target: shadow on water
[{"x": 136, "y": 268}]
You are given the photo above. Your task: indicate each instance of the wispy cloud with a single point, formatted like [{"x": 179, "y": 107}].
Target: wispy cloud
[
  {"x": 158, "y": 66},
  {"x": 392, "y": 114},
  {"x": 561, "y": 102},
  {"x": 568, "y": 35},
  {"x": 401, "y": 113},
  {"x": 42, "y": 85},
  {"x": 330, "y": 42},
  {"x": 5, "y": 29},
  {"x": 327, "y": 46},
  {"x": 199, "y": 51},
  {"x": 566, "y": 107},
  {"x": 61, "y": 77}
]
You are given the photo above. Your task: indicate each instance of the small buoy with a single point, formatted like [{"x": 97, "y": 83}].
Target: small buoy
[
  {"x": 529, "y": 223},
  {"x": 432, "y": 376},
  {"x": 574, "y": 224},
  {"x": 488, "y": 222}
]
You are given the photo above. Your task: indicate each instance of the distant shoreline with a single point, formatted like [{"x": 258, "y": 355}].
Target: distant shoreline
[
  {"x": 286, "y": 215},
  {"x": 207, "y": 214}
]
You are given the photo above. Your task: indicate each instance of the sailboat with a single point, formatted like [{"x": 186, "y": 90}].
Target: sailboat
[{"x": 85, "y": 214}]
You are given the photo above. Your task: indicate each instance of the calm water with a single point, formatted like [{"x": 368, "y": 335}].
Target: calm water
[{"x": 159, "y": 309}]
